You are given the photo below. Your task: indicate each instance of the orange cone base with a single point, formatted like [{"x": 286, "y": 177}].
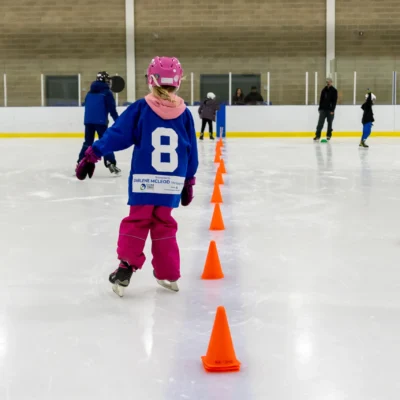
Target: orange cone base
[
  {"x": 228, "y": 366},
  {"x": 217, "y": 228}
]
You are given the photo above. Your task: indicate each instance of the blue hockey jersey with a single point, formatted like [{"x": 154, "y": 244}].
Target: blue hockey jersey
[
  {"x": 165, "y": 152},
  {"x": 99, "y": 102}
]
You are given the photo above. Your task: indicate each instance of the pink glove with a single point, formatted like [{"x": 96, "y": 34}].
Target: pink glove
[
  {"x": 87, "y": 164},
  {"x": 187, "y": 192}
]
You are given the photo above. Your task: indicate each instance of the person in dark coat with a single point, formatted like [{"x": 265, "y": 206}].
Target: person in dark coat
[
  {"x": 254, "y": 97},
  {"x": 99, "y": 102},
  {"x": 327, "y": 105},
  {"x": 207, "y": 111},
  {"x": 368, "y": 117},
  {"x": 238, "y": 98}
]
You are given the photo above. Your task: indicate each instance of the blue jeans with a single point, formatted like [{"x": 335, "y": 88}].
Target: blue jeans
[
  {"x": 90, "y": 133},
  {"x": 366, "y": 130}
]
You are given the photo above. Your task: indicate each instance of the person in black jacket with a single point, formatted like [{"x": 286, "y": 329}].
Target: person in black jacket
[
  {"x": 327, "y": 105},
  {"x": 254, "y": 97},
  {"x": 368, "y": 117},
  {"x": 207, "y": 112}
]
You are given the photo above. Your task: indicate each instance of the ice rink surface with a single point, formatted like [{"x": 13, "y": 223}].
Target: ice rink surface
[{"x": 312, "y": 277}]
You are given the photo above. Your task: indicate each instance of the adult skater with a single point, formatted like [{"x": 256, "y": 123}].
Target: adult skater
[
  {"x": 162, "y": 174},
  {"x": 207, "y": 111},
  {"x": 99, "y": 102},
  {"x": 327, "y": 105}
]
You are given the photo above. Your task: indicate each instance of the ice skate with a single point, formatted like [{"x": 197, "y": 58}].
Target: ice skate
[
  {"x": 211, "y": 137},
  {"x": 363, "y": 144},
  {"x": 121, "y": 277},
  {"x": 328, "y": 138},
  {"x": 201, "y": 137},
  {"x": 316, "y": 139},
  {"x": 171, "y": 285},
  {"x": 113, "y": 168}
]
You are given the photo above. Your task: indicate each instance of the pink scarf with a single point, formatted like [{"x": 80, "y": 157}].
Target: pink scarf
[{"x": 164, "y": 108}]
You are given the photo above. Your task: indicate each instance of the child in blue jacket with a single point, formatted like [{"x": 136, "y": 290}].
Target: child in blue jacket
[
  {"x": 99, "y": 102},
  {"x": 368, "y": 117},
  {"x": 163, "y": 169}
]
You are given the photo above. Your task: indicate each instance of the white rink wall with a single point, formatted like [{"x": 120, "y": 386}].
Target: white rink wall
[
  {"x": 241, "y": 120},
  {"x": 297, "y": 119}
]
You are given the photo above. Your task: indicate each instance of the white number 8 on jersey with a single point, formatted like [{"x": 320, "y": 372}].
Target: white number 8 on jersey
[{"x": 159, "y": 148}]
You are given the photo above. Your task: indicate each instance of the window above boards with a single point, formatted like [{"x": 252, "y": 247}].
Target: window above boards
[{"x": 219, "y": 84}]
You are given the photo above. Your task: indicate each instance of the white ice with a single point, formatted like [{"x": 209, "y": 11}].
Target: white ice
[{"x": 312, "y": 287}]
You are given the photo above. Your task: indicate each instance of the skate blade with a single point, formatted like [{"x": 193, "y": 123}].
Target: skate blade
[
  {"x": 119, "y": 290},
  {"x": 168, "y": 285}
]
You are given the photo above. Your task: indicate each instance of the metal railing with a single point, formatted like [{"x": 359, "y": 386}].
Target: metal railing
[{"x": 309, "y": 97}]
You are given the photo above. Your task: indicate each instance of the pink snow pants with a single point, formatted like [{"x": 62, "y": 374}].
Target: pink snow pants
[{"x": 133, "y": 233}]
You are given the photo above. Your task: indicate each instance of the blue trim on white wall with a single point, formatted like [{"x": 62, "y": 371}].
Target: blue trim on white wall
[{"x": 221, "y": 121}]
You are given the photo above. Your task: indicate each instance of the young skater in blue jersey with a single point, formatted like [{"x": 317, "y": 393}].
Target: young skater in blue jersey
[
  {"x": 99, "y": 102},
  {"x": 163, "y": 169}
]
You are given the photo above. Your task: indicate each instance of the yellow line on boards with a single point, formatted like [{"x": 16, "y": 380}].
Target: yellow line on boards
[
  {"x": 40, "y": 135},
  {"x": 229, "y": 135},
  {"x": 303, "y": 134}
]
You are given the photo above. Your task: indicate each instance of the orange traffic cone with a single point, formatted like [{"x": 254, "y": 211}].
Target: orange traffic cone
[
  {"x": 217, "y": 222},
  {"x": 221, "y": 355},
  {"x": 219, "y": 180},
  {"x": 217, "y": 157},
  {"x": 212, "y": 267},
  {"x": 222, "y": 166},
  {"x": 216, "y": 196}
]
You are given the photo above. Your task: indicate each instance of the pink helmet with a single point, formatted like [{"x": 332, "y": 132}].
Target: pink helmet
[{"x": 167, "y": 71}]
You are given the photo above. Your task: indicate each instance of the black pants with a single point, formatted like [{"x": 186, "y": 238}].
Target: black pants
[
  {"x": 90, "y": 132},
  {"x": 324, "y": 115},
  {"x": 203, "y": 126}
]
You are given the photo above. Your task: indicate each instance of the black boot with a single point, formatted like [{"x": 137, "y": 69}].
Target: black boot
[
  {"x": 317, "y": 138},
  {"x": 121, "y": 277},
  {"x": 201, "y": 136},
  {"x": 363, "y": 144},
  {"x": 211, "y": 136}
]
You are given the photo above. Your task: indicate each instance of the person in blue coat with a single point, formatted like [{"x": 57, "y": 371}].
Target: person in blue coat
[
  {"x": 99, "y": 102},
  {"x": 162, "y": 175},
  {"x": 368, "y": 117}
]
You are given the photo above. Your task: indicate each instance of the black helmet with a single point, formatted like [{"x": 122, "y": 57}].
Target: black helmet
[{"x": 103, "y": 77}]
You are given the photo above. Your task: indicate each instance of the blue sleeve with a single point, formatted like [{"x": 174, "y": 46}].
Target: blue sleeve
[
  {"x": 193, "y": 162},
  {"x": 111, "y": 106},
  {"x": 122, "y": 134}
]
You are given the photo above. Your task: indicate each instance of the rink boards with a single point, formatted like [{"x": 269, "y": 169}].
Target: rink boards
[{"x": 241, "y": 121}]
